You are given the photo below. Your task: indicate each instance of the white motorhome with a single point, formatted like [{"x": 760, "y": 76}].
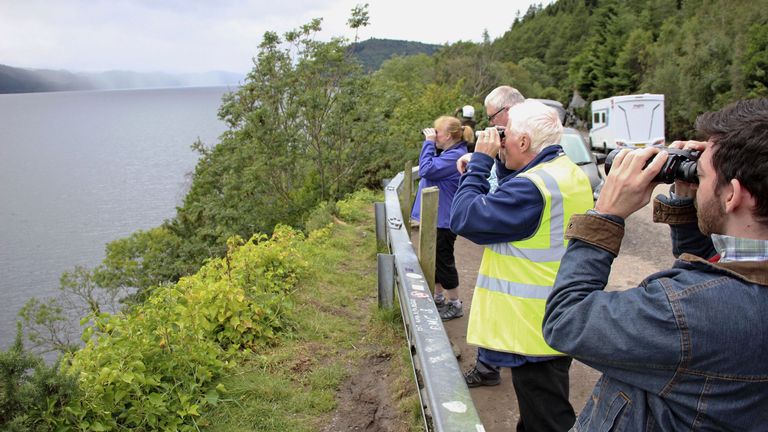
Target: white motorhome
[{"x": 627, "y": 121}]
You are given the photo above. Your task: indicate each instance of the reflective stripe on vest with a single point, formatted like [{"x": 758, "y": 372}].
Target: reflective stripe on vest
[
  {"x": 515, "y": 278},
  {"x": 555, "y": 248}
]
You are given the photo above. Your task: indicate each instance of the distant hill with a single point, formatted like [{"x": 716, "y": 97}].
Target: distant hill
[
  {"x": 18, "y": 80},
  {"x": 373, "y": 52}
]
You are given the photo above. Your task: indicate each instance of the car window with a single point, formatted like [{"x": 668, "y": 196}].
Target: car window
[{"x": 575, "y": 149}]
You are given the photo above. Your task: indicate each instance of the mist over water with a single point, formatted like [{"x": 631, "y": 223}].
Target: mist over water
[{"x": 80, "y": 169}]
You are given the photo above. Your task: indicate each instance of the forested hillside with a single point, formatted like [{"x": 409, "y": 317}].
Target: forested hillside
[
  {"x": 701, "y": 54},
  {"x": 373, "y": 52}
]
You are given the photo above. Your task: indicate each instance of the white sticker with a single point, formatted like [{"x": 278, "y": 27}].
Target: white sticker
[
  {"x": 456, "y": 406},
  {"x": 440, "y": 358},
  {"x": 414, "y": 275},
  {"x": 418, "y": 287},
  {"x": 480, "y": 428}
]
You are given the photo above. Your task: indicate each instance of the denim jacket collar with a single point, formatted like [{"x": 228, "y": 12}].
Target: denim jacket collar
[{"x": 751, "y": 271}]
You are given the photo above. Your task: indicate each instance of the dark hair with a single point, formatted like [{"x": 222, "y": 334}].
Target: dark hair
[{"x": 739, "y": 135}]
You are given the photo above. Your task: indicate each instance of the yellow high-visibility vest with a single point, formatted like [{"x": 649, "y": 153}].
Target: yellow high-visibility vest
[{"x": 515, "y": 278}]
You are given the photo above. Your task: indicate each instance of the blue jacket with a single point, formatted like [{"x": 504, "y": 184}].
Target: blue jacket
[
  {"x": 439, "y": 170},
  {"x": 475, "y": 212},
  {"x": 685, "y": 350}
]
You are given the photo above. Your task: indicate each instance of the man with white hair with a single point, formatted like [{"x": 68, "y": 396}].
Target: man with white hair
[{"x": 522, "y": 226}]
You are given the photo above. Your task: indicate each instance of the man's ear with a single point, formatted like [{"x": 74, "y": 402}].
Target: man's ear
[
  {"x": 525, "y": 143},
  {"x": 737, "y": 197}
]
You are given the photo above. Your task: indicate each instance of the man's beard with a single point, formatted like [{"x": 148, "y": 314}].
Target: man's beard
[{"x": 711, "y": 215}]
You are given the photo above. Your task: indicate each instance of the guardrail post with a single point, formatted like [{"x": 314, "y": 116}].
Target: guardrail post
[
  {"x": 406, "y": 200},
  {"x": 386, "y": 264},
  {"x": 381, "y": 225},
  {"x": 428, "y": 234}
]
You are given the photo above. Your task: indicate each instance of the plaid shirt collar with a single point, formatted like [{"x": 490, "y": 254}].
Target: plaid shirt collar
[{"x": 740, "y": 249}]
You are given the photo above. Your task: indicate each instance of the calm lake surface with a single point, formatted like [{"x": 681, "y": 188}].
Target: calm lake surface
[{"x": 80, "y": 169}]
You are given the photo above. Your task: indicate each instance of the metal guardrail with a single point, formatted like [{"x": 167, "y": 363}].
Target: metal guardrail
[{"x": 445, "y": 399}]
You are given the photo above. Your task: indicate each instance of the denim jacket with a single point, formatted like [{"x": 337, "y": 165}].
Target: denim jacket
[{"x": 685, "y": 350}]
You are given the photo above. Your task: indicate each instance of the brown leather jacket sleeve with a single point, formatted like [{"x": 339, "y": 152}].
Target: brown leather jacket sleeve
[
  {"x": 596, "y": 230},
  {"x": 673, "y": 215}
]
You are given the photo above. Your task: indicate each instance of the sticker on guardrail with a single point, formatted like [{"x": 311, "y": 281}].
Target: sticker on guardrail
[
  {"x": 414, "y": 276},
  {"x": 455, "y": 406},
  {"x": 395, "y": 222},
  {"x": 440, "y": 358},
  {"x": 419, "y": 294},
  {"x": 418, "y": 287},
  {"x": 480, "y": 428}
]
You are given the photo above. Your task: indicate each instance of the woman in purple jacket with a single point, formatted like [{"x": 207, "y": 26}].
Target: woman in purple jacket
[{"x": 443, "y": 146}]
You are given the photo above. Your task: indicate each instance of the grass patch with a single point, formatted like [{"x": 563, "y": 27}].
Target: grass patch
[{"x": 294, "y": 385}]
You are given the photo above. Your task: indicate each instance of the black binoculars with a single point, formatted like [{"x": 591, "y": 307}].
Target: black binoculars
[{"x": 680, "y": 165}]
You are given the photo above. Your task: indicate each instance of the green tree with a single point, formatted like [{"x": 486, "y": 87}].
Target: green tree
[
  {"x": 631, "y": 64},
  {"x": 31, "y": 393},
  {"x": 298, "y": 129},
  {"x": 407, "y": 100},
  {"x": 359, "y": 18},
  {"x": 755, "y": 62},
  {"x": 597, "y": 74}
]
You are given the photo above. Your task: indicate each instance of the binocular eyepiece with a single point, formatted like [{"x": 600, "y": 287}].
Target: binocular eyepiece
[
  {"x": 500, "y": 129},
  {"x": 680, "y": 165}
]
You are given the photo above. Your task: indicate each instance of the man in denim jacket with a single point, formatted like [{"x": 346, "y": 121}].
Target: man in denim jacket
[{"x": 688, "y": 348}]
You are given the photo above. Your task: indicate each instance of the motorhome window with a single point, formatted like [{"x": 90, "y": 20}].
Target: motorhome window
[{"x": 598, "y": 117}]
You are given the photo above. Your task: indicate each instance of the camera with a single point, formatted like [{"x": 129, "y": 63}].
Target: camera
[
  {"x": 500, "y": 129},
  {"x": 680, "y": 165}
]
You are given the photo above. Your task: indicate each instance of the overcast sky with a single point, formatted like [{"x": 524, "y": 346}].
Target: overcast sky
[{"x": 200, "y": 35}]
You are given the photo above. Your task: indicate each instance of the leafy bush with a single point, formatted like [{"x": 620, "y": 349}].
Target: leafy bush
[
  {"x": 320, "y": 217},
  {"x": 154, "y": 367},
  {"x": 30, "y": 391},
  {"x": 350, "y": 210}
]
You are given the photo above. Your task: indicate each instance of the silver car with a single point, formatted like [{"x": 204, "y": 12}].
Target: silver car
[{"x": 576, "y": 149}]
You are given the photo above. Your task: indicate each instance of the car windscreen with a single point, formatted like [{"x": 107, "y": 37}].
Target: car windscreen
[{"x": 575, "y": 149}]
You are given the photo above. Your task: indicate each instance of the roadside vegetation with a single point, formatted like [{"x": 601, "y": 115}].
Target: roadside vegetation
[{"x": 261, "y": 339}]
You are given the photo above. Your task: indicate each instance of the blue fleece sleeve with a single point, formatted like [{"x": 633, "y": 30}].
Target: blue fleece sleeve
[
  {"x": 433, "y": 167},
  {"x": 511, "y": 213}
]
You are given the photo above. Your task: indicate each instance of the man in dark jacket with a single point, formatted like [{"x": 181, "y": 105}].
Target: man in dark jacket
[{"x": 687, "y": 348}]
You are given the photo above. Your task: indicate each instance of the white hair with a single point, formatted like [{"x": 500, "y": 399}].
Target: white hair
[
  {"x": 540, "y": 122},
  {"x": 503, "y": 96}
]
